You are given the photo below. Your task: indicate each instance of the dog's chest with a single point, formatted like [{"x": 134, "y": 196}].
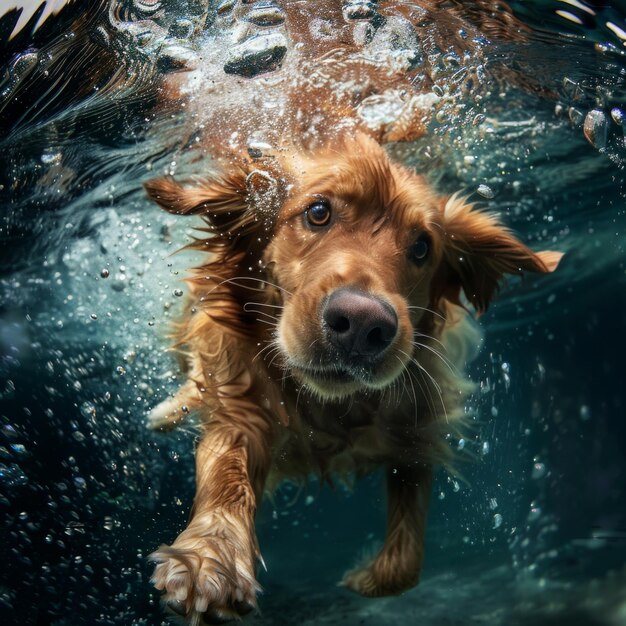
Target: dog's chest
[{"x": 331, "y": 439}]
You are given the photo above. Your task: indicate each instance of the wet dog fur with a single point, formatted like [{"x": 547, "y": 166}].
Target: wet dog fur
[{"x": 320, "y": 340}]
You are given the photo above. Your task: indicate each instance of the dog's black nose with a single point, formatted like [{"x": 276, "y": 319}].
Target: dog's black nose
[{"x": 359, "y": 324}]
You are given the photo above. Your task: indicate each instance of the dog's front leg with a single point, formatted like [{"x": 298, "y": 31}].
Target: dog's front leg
[
  {"x": 210, "y": 568},
  {"x": 397, "y": 566}
]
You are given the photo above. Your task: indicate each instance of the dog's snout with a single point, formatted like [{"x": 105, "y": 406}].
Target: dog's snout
[{"x": 359, "y": 324}]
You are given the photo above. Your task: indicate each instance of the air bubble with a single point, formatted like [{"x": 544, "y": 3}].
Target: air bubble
[
  {"x": 539, "y": 470},
  {"x": 485, "y": 191},
  {"x": 451, "y": 59},
  {"x": 595, "y": 128},
  {"x": 478, "y": 119},
  {"x": 359, "y": 10},
  {"x": 257, "y": 54},
  {"x": 87, "y": 409},
  {"x": 617, "y": 115},
  {"x": 21, "y": 66},
  {"x": 9, "y": 431},
  {"x": 51, "y": 158},
  {"x": 575, "y": 116},
  {"x": 269, "y": 15},
  {"x": 18, "y": 448},
  {"x": 226, "y": 6}
]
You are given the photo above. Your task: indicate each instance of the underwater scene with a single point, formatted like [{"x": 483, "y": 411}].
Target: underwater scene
[{"x": 519, "y": 109}]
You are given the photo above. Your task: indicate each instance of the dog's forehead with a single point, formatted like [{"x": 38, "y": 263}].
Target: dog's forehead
[{"x": 366, "y": 184}]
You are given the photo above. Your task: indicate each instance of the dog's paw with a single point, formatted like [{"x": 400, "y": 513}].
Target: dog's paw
[
  {"x": 207, "y": 579},
  {"x": 165, "y": 417},
  {"x": 168, "y": 414},
  {"x": 381, "y": 577}
]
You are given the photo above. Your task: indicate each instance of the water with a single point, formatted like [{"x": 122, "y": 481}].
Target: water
[{"x": 534, "y": 531}]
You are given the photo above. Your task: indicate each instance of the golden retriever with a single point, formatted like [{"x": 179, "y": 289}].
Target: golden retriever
[
  {"x": 314, "y": 337},
  {"x": 321, "y": 338}
]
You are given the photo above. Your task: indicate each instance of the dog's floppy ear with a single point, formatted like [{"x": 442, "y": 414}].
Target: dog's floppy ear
[
  {"x": 478, "y": 252},
  {"x": 200, "y": 196},
  {"x": 239, "y": 208},
  {"x": 220, "y": 199},
  {"x": 233, "y": 204}
]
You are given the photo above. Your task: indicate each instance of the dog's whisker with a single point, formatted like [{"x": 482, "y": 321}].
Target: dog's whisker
[
  {"x": 422, "y": 308},
  {"x": 426, "y": 390},
  {"x": 278, "y": 353},
  {"x": 270, "y": 315},
  {"x": 264, "y": 282},
  {"x": 266, "y": 316},
  {"x": 431, "y": 338},
  {"x": 426, "y": 393},
  {"x": 440, "y": 356},
  {"x": 273, "y": 306},
  {"x": 415, "y": 286},
  {"x": 404, "y": 387},
  {"x": 419, "y": 345},
  {"x": 270, "y": 346},
  {"x": 349, "y": 408},
  {"x": 422, "y": 370},
  {"x": 272, "y": 323},
  {"x": 414, "y": 398},
  {"x": 300, "y": 388},
  {"x": 430, "y": 376},
  {"x": 286, "y": 374},
  {"x": 400, "y": 390},
  {"x": 387, "y": 391}
]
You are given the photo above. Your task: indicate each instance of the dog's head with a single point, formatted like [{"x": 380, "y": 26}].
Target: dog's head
[{"x": 364, "y": 254}]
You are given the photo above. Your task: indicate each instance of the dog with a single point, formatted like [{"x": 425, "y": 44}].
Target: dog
[
  {"x": 315, "y": 339},
  {"x": 326, "y": 333}
]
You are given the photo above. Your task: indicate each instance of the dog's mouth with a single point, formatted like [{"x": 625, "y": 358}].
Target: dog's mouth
[
  {"x": 331, "y": 374},
  {"x": 342, "y": 380}
]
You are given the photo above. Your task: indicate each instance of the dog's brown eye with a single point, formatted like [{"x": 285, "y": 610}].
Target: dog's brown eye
[
  {"x": 420, "y": 249},
  {"x": 318, "y": 214}
]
